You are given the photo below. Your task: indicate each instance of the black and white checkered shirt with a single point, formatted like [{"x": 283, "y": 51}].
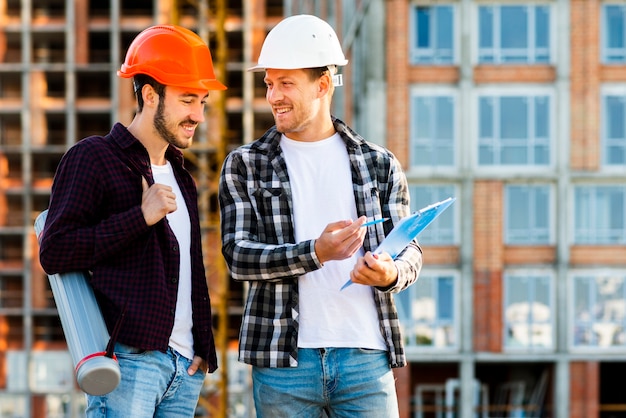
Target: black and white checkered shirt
[{"x": 259, "y": 246}]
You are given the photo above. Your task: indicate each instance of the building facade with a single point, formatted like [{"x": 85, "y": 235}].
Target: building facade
[{"x": 516, "y": 108}]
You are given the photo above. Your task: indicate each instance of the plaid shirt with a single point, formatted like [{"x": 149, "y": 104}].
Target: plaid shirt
[
  {"x": 95, "y": 223},
  {"x": 259, "y": 246}
]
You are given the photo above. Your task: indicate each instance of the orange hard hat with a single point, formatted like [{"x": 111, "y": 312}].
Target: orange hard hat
[{"x": 173, "y": 56}]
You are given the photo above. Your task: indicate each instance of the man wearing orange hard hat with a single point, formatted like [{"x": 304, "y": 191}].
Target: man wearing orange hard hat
[{"x": 124, "y": 208}]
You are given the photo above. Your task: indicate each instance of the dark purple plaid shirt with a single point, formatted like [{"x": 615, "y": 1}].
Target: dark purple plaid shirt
[{"x": 95, "y": 223}]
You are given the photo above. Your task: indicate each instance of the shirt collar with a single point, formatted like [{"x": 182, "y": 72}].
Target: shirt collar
[{"x": 127, "y": 141}]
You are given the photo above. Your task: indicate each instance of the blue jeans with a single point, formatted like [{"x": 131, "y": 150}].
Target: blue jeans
[
  {"x": 340, "y": 382},
  {"x": 154, "y": 384}
]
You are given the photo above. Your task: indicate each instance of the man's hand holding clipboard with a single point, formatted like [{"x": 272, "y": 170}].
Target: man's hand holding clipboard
[{"x": 408, "y": 229}]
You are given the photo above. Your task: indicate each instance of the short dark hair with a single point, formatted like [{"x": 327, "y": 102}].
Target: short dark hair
[{"x": 141, "y": 80}]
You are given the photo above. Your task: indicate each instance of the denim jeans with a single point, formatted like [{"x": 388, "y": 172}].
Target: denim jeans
[
  {"x": 154, "y": 384},
  {"x": 340, "y": 382}
]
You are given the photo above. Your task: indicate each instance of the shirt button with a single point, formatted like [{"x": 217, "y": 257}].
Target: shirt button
[
  {"x": 175, "y": 248},
  {"x": 174, "y": 279}
]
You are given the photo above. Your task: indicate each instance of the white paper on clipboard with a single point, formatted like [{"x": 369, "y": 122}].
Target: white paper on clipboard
[{"x": 408, "y": 229}]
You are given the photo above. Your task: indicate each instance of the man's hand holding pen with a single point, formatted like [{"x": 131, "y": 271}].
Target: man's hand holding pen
[{"x": 340, "y": 240}]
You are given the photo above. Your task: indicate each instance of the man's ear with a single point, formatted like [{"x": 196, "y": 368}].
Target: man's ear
[
  {"x": 150, "y": 97},
  {"x": 324, "y": 83}
]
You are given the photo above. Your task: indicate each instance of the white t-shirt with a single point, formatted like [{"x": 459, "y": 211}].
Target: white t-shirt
[
  {"x": 181, "y": 339},
  {"x": 321, "y": 184}
]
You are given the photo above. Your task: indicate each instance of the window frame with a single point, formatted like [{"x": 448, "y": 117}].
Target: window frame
[
  {"x": 611, "y": 90},
  {"x": 574, "y": 230},
  {"x": 411, "y": 292},
  {"x": 414, "y": 49},
  {"x": 530, "y": 274},
  {"x": 572, "y": 320},
  {"x": 604, "y": 29},
  {"x": 551, "y": 228},
  {"x": 499, "y": 92},
  {"x": 437, "y": 192},
  {"x": 433, "y": 91},
  {"x": 531, "y": 49}
]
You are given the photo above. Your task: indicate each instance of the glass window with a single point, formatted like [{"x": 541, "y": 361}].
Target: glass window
[
  {"x": 599, "y": 215},
  {"x": 13, "y": 404},
  {"x": 428, "y": 311},
  {"x": 614, "y": 129},
  {"x": 442, "y": 230},
  {"x": 613, "y": 33},
  {"x": 514, "y": 130},
  {"x": 433, "y": 35},
  {"x": 432, "y": 129},
  {"x": 599, "y": 309},
  {"x": 528, "y": 311},
  {"x": 514, "y": 34},
  {"x": 527, "y": 215}
]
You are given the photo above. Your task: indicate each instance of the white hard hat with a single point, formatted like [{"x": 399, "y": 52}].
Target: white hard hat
[{"x": 301, "y": 41}]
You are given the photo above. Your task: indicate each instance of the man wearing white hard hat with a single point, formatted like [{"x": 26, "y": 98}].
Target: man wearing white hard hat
[{"x": 293, "y": 207}]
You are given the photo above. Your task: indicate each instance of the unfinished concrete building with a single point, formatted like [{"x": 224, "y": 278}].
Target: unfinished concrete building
[
  {"x": 58, "y": 84},
  {"x": 514, "y": 107}
]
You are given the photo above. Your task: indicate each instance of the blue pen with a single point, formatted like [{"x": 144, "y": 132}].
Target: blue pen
[{"x": 375, "y": 221}]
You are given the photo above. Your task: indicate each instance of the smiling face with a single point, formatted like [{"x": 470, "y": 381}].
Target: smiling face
[
  {"x": 178, "y": 115},
  {"x": 300, "y": 104}
]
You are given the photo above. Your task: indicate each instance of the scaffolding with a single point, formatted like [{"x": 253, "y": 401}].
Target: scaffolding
[{"x": 58, "y": 60}]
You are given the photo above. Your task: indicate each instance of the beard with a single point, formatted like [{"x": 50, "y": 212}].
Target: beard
[
  {"x": 160, "y": 125},
  {"x": 287, "y": 126},
  {"x": 300, "y": 117}
]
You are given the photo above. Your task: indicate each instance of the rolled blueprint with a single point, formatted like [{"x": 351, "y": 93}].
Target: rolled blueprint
[{"x": 84, "y": 328}]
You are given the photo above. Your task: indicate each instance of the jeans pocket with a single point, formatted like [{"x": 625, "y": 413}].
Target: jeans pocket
[{"x": 123, "y": 350}]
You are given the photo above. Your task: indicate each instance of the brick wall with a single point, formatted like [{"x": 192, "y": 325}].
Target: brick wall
[
  {"x": 397, "y": 22},
  {"x": 584, "y": 91},
  {"x": 594, "y": 255},
  {"x": 437, "y": 74},
  {"x": 584, "y": 389},
  {"x": 544, "y": 254},
  {"x": 514, "y": 74},
  {"x": 488, "y": 264}
]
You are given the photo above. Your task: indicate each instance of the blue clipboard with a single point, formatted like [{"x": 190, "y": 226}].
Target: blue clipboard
[{"x": 408, "y": 229}]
